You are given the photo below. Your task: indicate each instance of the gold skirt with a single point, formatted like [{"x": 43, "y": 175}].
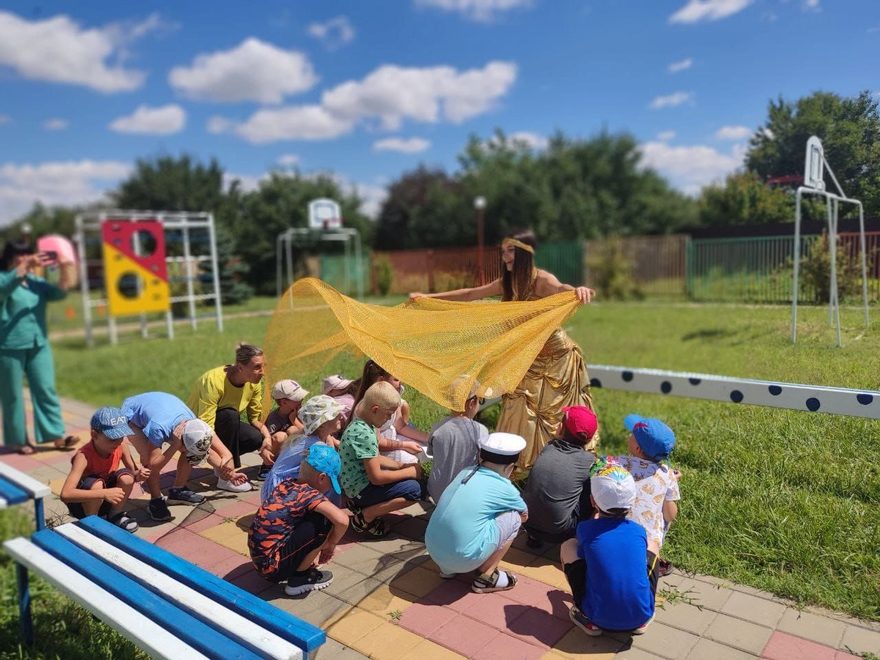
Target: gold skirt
[{"x": 557, "y": 378}]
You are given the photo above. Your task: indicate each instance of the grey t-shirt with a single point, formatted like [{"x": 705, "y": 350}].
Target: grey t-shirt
[
  {"x": 553, "y": 490},
  {"x": 454, "y": 444},
  {"x": 277, "y": 422}
]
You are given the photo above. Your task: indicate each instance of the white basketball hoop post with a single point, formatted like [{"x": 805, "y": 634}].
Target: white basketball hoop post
[
  {"x": 815, "y": 167},
  {"x": 325, "y": 219}
]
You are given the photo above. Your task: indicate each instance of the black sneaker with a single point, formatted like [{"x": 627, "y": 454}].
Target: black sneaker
[
  {"x": 313, "y": 580},
  {"x": 263, "y": 473},
  {"x": 159, "y": 510},
  {"x": 185, "y": 495}
]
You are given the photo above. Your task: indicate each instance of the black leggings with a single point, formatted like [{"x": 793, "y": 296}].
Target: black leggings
[
  {"x": 238, "y": 436},
  {"x": 309, "y": 534}
]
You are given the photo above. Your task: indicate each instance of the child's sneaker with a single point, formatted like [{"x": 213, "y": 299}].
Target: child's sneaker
[
  {"x": 313, "y": 580},
  {"x": 263, "y": 474},
  {"x": 642, "y": 628},
  {"x": 223, "y": 484},
  {"x": 579, "y": 619},
  {"x": 158, "y": 510},
  {"x": 185, "y": 495},
  {"x": 663, "y": 568}
]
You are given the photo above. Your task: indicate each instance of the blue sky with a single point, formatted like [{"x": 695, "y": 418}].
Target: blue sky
[{"x": 369, "y": 89}]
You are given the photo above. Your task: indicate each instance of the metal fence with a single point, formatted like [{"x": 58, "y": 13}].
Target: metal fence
[
  {"x": 750, "y": 269},
  {"x": 759, "y": 269}
]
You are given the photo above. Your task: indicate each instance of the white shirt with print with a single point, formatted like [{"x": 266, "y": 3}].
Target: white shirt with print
[{"x": 654, "y": 485}]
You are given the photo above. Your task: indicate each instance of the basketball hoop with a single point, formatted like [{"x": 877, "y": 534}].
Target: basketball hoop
[{"x": 324, "y": 215}]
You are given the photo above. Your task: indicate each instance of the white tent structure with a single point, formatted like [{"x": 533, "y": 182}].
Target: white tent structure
[{"x": 815, "y": 167}]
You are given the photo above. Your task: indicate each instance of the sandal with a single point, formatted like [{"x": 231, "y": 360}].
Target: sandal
[
  {"x": 123, "y": 521},
  {"x": 375, "y": 528},
  {"x": 27, "y": 449},
  {"x": 484, "y": 585},
  {"x": 67, "y": 443}
]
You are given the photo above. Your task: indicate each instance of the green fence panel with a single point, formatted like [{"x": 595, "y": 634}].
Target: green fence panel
[
  {"x": 333, "y": 271},
  {"x": 565, "y": 260}
]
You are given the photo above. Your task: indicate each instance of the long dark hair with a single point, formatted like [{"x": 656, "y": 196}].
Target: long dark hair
[
  {"x": 371, "y": 374},
  {"x": 517, "y": 283},
  {"x": 12, "y": 250}
]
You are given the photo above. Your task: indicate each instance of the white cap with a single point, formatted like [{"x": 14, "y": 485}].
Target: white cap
[
  {"x": 289, "y": 389},
  {"x": 197, "y": 437},
  {"x": 335, "y": 382},
  {"x": 503, "y": 444},
  {"x": 613, "y": 488}
]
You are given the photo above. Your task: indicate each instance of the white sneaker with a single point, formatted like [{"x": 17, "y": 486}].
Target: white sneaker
[{"x": 223, "y": 484}]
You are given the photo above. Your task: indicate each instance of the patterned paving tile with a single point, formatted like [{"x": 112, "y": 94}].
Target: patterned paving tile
[
  {"x": 783, "y": 646},
  {"x": 464, "y": 635},
  {"x": 536, "y": 626}
]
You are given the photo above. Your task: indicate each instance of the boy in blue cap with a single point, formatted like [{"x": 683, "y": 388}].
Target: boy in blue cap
[
  {"x": 298, "y": 525},
  {"x": 657, "y": 494},
  {"x": 96, "y": 482}
]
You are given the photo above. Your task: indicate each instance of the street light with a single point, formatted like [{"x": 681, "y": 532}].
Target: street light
[{"x": 480, "y": 206}]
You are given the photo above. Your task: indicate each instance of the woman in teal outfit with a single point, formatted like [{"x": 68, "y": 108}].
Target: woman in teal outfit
[{"x": 24, "y": 347}]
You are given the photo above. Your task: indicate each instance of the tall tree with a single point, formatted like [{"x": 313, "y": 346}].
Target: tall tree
[
  {"x": 850, "y": 132},
  {"x": 744, "y": 199},
  {"x": 172, "y": 184}
]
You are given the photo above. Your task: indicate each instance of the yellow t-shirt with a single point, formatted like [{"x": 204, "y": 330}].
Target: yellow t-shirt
[{"x": 213, "y": 391}]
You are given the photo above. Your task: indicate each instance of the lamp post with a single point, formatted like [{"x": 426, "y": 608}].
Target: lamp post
[{"x": 480, "y": 206}]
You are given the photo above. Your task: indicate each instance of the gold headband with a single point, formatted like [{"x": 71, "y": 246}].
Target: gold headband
[{"x": 524, "y": 246}]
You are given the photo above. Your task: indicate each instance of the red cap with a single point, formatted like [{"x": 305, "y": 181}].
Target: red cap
[{"x": 580, "y": 421}]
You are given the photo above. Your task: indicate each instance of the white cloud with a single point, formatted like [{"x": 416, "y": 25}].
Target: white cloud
[
  {"x": 5, "y": 119},
  {"x": 307, "y": 122},
  {"x": 55, "y": 183},
  {"x": 680, "y": 65},
  {"x": 246, "y": 182},
  {"x": 334, "y": 33},
  {"x": 733, "y": 133},
  {"x": 405, "y": 146},
  {"x": 164, "y": 120},
  {"x": 218, "y": 125},
  {"x": 811, "y": 5},
  {"x": 288, "y": 160},
  {"x": 58, "y": 50},
  {"x": 476, "y": 10},
  {"x": 708, "y": 10},
  {"x": 529, "y": 139},
  {"x": 394, "y": 93},
  {"x": 671, "y": 100},
  {"x": 56, "y": 124},
  {"x": 253, "y": 71},
  {"x": 692, "y": 167},
  {"x": 666, "y": 136}
]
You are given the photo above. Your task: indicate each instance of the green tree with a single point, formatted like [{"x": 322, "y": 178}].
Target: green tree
[
  {"x": 850, "y": 132},
  {"x": 281, "y": 202},
  {"x": 744, "y": 199},
  {"x": 172, "y": 184}
]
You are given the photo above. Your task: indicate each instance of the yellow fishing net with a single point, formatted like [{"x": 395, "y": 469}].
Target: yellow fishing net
[{"x": 441, "y": 348}]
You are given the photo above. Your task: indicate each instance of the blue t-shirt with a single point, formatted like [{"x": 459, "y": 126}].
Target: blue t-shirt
[
  {"x": 157, "y": 414},
  {"x": 287, "y": 464},
  {"x": 618, "y": 594},
  {"x": 462, "y": 532}
]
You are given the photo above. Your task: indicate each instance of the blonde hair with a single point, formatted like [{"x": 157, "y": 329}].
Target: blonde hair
[{"x": 382, "y": 394}]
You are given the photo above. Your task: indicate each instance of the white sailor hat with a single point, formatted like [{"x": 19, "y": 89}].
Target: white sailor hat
[{"x": 503, "y": 445}]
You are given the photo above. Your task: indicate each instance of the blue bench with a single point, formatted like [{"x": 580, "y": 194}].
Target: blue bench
[
  {"x": 16, "y": 488},
  {"x": 164, "y": 604}
]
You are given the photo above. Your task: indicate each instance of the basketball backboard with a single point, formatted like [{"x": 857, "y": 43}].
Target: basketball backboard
[
  {"x": 324, "y": 214},
  {"x": 814, "y": 165}
]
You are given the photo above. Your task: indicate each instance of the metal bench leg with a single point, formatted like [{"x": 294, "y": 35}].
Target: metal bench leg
[
  {"x": 24, "y": 604},
  {"x": 39, "y": 514}
]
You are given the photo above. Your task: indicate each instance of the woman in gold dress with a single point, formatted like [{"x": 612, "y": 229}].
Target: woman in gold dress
[{"x": 558, "y": 376}]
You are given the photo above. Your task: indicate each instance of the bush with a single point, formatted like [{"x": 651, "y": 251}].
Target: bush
[
  {"x": 611, "y": 272},
  {"x": 816, "y": 271},
  {"x": 384, "y": 275}
]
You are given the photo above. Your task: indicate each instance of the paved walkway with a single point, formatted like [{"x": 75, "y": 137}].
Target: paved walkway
[{"x": 388, "y": 601}]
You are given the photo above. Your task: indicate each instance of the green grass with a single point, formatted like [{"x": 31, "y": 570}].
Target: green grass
[{"x": 780, "y": 500}]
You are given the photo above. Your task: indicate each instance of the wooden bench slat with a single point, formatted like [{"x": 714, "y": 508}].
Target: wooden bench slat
[
  {"x": 287, "y": 626},
  {"x": 12, "y": 493},
  {"x": 248, "y": 631},
  {"x": 36, "y": 488},
  {"x": 176, "y": 620},
  {"x": 117, "y": 614}
]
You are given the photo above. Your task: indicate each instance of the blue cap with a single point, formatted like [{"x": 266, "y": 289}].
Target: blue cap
[
  {"x": 324, "y": 458},
  {"x": 654, "y": 438},
  {"x": 112, "y": 422}
]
